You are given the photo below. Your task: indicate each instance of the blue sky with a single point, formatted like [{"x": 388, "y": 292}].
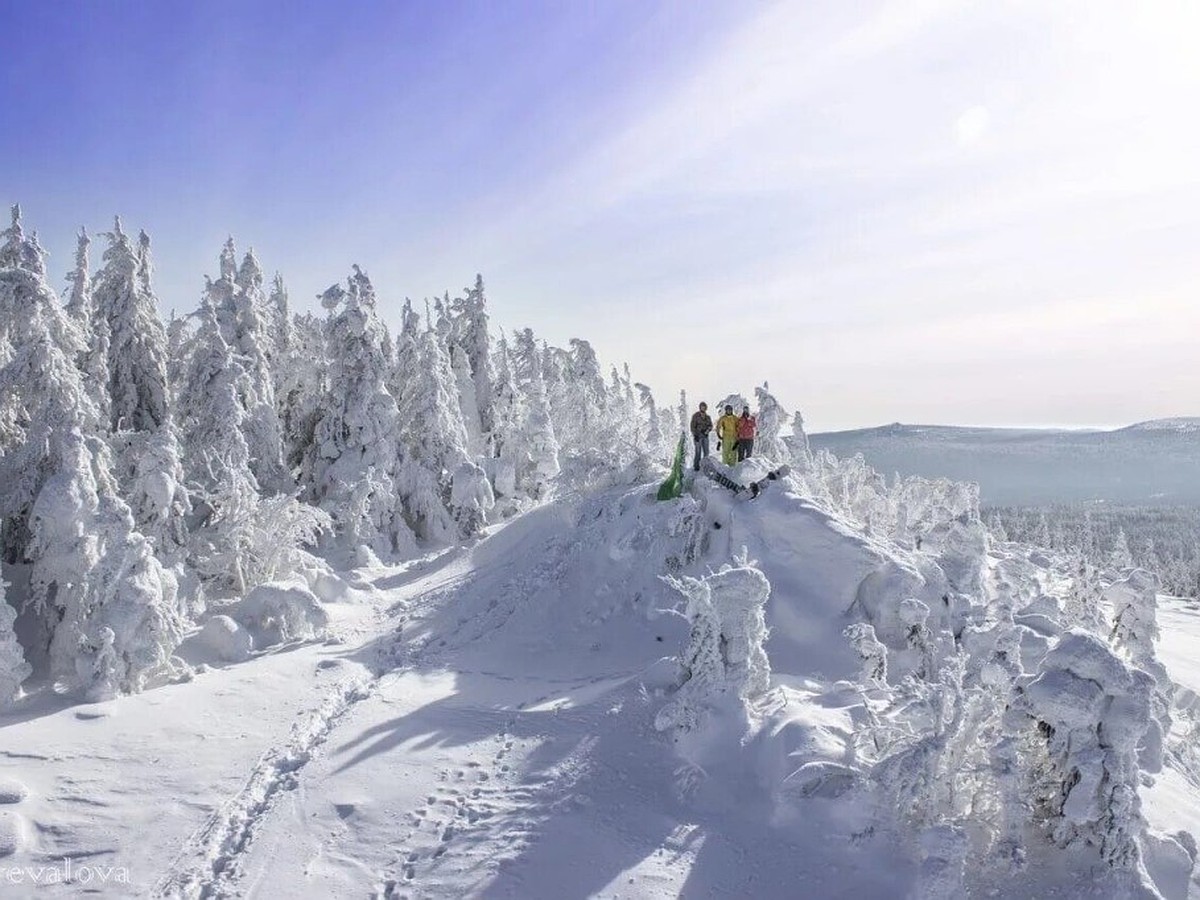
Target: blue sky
[{"x": 921, "y": 211}]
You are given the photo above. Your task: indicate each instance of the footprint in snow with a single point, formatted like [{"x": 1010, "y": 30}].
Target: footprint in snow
[{"x": 13, "y": 832}]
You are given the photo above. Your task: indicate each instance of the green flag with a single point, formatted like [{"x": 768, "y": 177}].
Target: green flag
[{"x": 673, "y": 486}]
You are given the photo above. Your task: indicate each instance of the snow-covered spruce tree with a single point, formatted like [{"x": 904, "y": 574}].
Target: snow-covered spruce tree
[
  {"x": 41, "y": 390},
  {"x": 13, "y": 668},
  {"x": 1134, "y": 602},
  {"x": 469, "y": 334},
  {"x": 432, "y": 426},
  {"x": 800, "y": 451},
  {"x": 870, "y": 650},
  {"x": 771, "y": 418},
  {"x": 212, "y": 417},
  {"x": 243, "y": 539},
  {"x": 1120, "y": 557},
  {"x": 996, "y": 528},
  {"x": 237, "y": 301},
  {"x": 725, "y": 653},
  {"x": 430, "y": 416},
  {"x": 1089, "y": 713},
  {"x": 109, "y": 608},
  {"x": 21, "y": 251},
  {"x": 79, "y": 294},
  {"x": 685, "y": 419},
  {"x": 1082, "y": 607},
  {"x": 654, "y": 440},
  {"x": 303, "y": 380},
  {"x": 252, "y": 344},
  {"x": 357, "y": 448},
  {"x": 535, "y": 452},
  {"x": 129, "y": 331},
  {"x": 509, "y": 415},
  {"x": 137, "y": 347},
  {"x": 508, "y": 408},
  {"x": 280, "y": 331},
  {"x": 578, "y": 399},
  {"x": 1041, "y": 534}
]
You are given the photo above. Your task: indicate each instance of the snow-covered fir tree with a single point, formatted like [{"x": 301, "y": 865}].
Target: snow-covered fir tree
[
  {"x": 130, "y": 343},
  {"x": 535, "y": 451},
  {"x": 768, "y": 440},
  {"x": 357, "y": 453},
  {"x": 137, "y": 344},
  {"x": 470, "y": 343}
]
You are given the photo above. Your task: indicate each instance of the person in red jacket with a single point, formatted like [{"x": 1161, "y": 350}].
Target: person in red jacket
[{"x": 745, "y": 434}]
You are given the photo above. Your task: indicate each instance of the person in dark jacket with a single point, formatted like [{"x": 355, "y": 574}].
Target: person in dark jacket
[{"x": 701, "y": 428}]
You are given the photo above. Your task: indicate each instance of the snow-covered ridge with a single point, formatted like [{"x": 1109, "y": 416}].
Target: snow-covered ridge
[
  {"x": 1186, "y": 425},
  {"x": 1155, "y": 461}
]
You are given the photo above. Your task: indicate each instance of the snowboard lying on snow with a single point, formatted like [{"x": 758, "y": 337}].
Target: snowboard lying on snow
[{"x": 712, "y": 469}]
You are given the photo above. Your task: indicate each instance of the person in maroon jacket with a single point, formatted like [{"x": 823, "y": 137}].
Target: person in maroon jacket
[{"x": 745, "y": 432}]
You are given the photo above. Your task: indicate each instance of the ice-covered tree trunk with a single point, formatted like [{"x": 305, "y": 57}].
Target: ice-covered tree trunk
[
  {"x": 771, "y": 418},
  {"x": 13, "y": 667},
  {"x": 871, "y": 651},
  {"x": 725, "y": 652},
  {"x": 1091, "y": 713}
]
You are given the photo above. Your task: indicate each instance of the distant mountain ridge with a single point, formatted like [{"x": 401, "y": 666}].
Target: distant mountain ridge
[
  {"x": 1186, "y": 424},
  {"x": 1156, "y": 461}
]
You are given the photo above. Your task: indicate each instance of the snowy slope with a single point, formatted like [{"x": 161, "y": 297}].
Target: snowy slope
[
  {"x": 482, "y": 724},
  {"x": 1157, "y": 461}
]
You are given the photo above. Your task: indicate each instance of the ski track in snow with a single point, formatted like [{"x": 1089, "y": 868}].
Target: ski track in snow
[{"x": 210, "y": 864}]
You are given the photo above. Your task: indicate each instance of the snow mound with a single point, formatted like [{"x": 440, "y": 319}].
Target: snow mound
[
  {"x": 279, "y": 612},
  {"x": 824, "y": 575},
  {"x": 225, "y": 639},
  {"x": 12, "y": 791}
]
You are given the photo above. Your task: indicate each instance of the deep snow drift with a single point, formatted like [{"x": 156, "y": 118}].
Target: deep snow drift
[{"x": 541, "y": 714}]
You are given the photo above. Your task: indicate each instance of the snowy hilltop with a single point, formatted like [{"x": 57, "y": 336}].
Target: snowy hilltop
[{"x": 296, "y": 606}]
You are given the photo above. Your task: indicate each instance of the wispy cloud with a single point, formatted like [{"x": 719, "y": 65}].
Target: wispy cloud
[{"x": 929, "y": 170}]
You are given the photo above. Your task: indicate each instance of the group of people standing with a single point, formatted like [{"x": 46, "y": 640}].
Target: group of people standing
[{"x": 735, "y": 435}]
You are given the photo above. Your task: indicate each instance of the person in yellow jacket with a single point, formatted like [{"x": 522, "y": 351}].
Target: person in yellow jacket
[{"x": 727, "y": 436}]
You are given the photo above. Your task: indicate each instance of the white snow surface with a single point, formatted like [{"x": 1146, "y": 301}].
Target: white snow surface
[{"x": 481, "y": 723}]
